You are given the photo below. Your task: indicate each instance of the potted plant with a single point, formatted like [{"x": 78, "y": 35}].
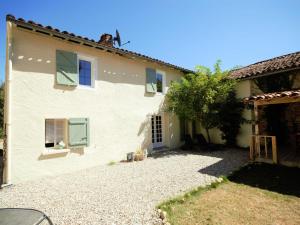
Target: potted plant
[{"x": 139, "y": 155}]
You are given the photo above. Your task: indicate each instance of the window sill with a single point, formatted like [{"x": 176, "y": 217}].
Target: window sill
[
  {"x": 88, "y": 88},
  {"x": 51, "y": 151}
]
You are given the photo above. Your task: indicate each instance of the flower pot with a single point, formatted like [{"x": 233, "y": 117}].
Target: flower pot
[
  {"x": 130, "y": 157},
  {"x": 138, "y": 157}
]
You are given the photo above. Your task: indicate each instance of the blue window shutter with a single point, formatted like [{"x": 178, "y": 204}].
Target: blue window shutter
[
  {"x": 79, "y": 132},
  {"x": 66, "y": 68},
  {"x": 151, "y": 80}
]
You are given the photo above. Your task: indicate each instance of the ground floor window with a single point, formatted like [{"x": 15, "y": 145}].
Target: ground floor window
[
  {"x": 55, "y": 133},
  {"x": 67, "y": 133}
]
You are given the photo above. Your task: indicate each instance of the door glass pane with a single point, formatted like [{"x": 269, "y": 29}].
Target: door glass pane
[{"x": 152, "y": 124}]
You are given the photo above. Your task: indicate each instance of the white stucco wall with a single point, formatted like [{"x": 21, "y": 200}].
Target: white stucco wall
[
  {"x": 243, "y": 90},
  {"x": 118, "y": 107}
]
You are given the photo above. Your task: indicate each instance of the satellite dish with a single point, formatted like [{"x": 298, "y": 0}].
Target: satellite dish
[{"x": 117, "y": 38}]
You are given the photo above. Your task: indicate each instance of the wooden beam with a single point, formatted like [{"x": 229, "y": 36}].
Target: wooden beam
[
  {"x": 281, "y": 100},
  {"x": 266, "y": 147}
]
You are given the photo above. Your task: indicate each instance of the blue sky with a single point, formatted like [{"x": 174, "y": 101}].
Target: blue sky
[{"x": 186, "y": 33}]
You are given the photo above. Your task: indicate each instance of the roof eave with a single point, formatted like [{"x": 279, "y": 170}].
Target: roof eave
[{"x": 79, "y": 40}]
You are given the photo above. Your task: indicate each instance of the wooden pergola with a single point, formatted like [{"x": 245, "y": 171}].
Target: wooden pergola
[{"x": 284, "y": 97}]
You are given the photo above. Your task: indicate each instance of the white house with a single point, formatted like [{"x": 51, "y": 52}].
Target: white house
[{"x": 73, "y": 103}]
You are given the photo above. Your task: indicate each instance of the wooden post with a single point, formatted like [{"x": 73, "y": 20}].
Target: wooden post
[
  {"x": 257, "y": 143},
  {"x": 251, "y": 147},
  {"x": 256, "y": 118},
  {"x": 274, "y": 150},
  {"x": 266, "y": 148}
]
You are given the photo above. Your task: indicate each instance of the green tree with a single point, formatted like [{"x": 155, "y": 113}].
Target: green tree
[
  {"x": 230, "y": 118},
  {"x": 201, "y": 96}
]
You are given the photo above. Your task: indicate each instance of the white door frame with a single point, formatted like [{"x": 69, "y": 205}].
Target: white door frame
[{"x": 157, "y": 134}]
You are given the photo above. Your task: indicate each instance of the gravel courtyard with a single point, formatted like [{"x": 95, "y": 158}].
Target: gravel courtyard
[{"x": 124, "y": 193}]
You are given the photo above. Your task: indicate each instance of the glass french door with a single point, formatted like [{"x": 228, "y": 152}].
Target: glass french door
[{"x": 157, "y": 131}]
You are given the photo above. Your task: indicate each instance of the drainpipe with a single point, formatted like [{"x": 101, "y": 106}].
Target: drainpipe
[{"x": 7, "y": 103}]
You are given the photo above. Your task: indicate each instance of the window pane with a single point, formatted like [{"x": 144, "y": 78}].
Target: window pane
[
  {"x": 49, "y": 133},
  {"x": 85, "y": 73},
  {"x": 59, "y": 131},
  {"x": 159, "y": 80}
]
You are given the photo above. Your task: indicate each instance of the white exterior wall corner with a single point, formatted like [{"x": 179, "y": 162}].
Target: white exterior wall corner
[
  {"x": 7, "y": 103},
  {"x": 244, "y": 89},
  {"x": 118, "y": 107}
]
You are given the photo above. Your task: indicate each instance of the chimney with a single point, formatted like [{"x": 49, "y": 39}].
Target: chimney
[{"x": 106, "y": 39}]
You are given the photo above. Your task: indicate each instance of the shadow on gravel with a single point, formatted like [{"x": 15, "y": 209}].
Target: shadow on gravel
[
  {"x": 280, "y": 179},
  {"x": 170, "y": 153},
  {"x": 226, "y": 161}
]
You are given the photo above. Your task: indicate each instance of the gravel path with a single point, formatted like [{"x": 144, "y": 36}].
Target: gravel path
[{"x": 125, "y": 193}]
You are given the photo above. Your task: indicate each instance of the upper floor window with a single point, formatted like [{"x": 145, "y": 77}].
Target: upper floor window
[
  {"x": 85, "y": 73},
  {"x": 73, "y": 69},
  {"x": 159, "y": 82},
  {"x": 155, "y": 81}
]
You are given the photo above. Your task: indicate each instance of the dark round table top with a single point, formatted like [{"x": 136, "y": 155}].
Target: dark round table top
[{"x": 22, "y": 216}]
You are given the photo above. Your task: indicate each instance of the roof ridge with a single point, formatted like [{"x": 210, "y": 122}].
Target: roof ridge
[
  {"x": 266, "y": 60},
  {"x": 287, "y": 62}
]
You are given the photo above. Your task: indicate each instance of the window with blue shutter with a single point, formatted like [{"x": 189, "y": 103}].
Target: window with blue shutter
[
  {"x": 85, "y": 72},
  {"x": 66, "y": 68}
]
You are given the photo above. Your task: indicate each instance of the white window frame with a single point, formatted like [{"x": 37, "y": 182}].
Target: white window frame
[
  {"x": 65, "y": 138},
  {"x": 93, "y": 70},
  {"x": 163, "y": 82}
]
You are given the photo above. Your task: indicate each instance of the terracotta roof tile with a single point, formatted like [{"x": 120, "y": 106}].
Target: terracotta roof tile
[
  {"x": 269, "y": 96},
  {"x": 120, "y": 51},
  {"x": 277, "y": 64}
]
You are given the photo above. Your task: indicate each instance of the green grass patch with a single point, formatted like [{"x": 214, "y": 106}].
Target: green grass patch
[
  {"x": 167, "y": 206},
  {"x": 244, "y": 197}
]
